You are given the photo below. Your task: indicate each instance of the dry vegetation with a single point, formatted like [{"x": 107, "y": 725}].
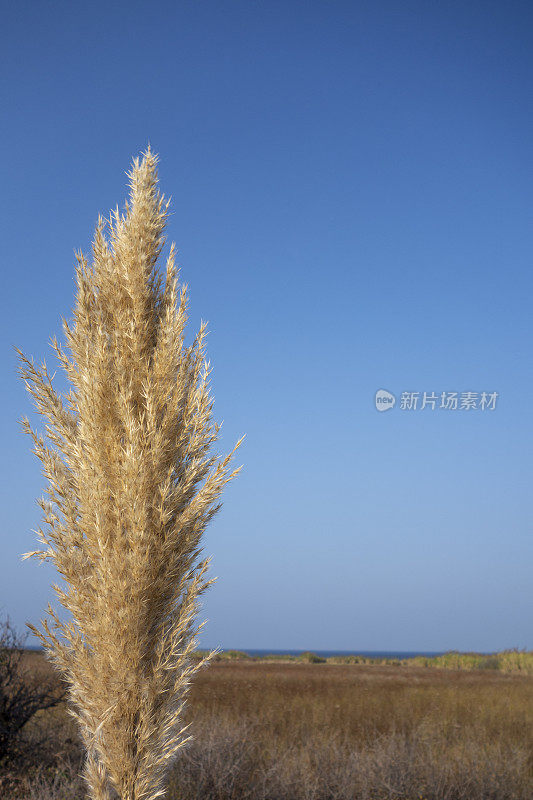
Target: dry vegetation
[
  {"x": 131, "y": 484},
  {"x": 298, "y": 731},
  {"x": 515, "y": 661}
]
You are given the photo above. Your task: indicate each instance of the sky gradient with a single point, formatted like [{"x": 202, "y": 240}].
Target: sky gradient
[{"x": 352, "y": 206}]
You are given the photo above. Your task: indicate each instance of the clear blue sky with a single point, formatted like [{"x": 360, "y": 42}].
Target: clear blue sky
[{"x": 353, "y": 209}]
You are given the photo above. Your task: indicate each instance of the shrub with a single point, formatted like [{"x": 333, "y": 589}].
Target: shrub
[
  {"x": 311, "y": 658},
  {"x": 22, "y": 695}
]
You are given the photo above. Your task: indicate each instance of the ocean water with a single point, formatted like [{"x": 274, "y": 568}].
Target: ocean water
[
  {"x": 327, "y": 653},
  {"x": 398, "y": 654}
]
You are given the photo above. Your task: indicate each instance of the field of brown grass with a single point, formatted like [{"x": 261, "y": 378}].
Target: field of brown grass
[{"x": 297, "y": 731}]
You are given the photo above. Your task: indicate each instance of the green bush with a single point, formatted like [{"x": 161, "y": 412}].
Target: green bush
[{"x": 311, "y": 658}]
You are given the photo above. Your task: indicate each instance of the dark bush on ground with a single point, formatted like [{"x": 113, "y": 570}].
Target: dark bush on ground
[{"x": 22, "y": 695}]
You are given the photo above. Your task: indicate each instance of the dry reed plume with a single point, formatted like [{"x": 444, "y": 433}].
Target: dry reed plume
[{"x": 132, "y": 485}]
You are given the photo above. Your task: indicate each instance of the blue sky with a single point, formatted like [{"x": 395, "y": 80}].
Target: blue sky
[{"x": 352, "y": 206}]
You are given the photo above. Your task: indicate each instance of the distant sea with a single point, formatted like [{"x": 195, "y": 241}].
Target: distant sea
[
  {"x": 398, "y": 654},
  {"x": 328, "y": 653}
]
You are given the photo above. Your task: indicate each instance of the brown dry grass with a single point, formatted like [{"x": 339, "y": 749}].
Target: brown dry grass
[{"x": 275, "y": 731}]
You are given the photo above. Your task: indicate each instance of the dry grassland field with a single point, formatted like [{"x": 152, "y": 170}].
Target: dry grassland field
[{"x": 324, "y": 731}]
